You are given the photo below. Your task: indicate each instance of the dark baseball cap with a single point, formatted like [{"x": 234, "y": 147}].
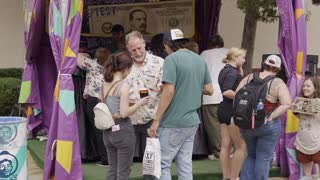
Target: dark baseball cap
[{"x": 173, "y": 34}]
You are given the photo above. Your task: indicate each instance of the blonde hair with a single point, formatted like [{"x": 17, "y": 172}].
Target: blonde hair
[{"x": 233, "y": 53}]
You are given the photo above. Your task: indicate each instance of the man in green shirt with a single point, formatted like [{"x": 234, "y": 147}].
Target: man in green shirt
[{"x": 185, "y": 77}]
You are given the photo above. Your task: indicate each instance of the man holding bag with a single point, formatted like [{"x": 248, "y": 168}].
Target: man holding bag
[
  {"x": 152, "y": 160},
  {"x": 186, "y": 77}
]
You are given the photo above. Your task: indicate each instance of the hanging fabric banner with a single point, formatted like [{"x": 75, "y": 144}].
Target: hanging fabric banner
[
  {"x": 62, "y": 159},
  {"x": 292, "y": 45}
]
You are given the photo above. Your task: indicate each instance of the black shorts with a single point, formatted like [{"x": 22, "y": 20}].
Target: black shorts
[{"x": 225, "y": 112}]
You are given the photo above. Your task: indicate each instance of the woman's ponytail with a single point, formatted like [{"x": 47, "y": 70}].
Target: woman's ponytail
[
  {"x": 108, "y": 70},
  {"x": 117, "y": 62}
]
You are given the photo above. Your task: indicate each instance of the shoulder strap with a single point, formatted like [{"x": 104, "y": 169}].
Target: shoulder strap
[
  {"x": 104, "y": 96},
  {"x": 270, "y": 85},
  {"x": 118, "y": 88},
  {"x": 252, "y": 75},
  {"x": 268, "y": 78}
]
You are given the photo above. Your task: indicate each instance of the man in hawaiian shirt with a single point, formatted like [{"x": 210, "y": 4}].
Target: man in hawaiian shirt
[{"x": 146, "y": 73}]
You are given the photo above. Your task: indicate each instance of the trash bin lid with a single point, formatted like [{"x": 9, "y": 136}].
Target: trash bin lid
[{"x": 11, "y": 119}]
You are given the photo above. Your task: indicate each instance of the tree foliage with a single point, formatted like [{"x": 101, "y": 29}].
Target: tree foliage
[
  {"x": 8, "y": 94},
  {"x": 262, "y": 10},
  {"x": 254, "y": 10}
]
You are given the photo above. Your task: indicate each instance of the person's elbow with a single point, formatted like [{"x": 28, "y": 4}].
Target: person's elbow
[
  {"x": 285, "y": 100},
  {"x": 123, "y": 114},
  {"x": 208, "y": 89},
  {"x": 79, "y": 61},
  {"x": 168, "y": 90},
  {"x": 287, "y": 106}
]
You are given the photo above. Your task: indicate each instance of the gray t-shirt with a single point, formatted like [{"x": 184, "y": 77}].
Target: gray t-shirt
[{"x": 188, "y": 72}]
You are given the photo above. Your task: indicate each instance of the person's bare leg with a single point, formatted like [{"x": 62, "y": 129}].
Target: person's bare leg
[
  {"x": 307, "y": 168},
  {"x": 225, "y": 151},
  {"x": 238, "y": 155},
  {"x": 318, "y": 171}
]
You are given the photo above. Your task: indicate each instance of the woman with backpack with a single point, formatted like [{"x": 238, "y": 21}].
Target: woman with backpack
[
  {"x": 229, "y": 79},
  {"x": 261, "y": 141},
  {"x": 120, "y": 139}
]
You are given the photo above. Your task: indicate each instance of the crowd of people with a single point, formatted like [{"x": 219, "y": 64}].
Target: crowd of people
[{"x": 179, "y": 81}]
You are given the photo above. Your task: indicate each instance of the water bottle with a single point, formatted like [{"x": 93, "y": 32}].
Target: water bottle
[{"x": 260, "y": 105}]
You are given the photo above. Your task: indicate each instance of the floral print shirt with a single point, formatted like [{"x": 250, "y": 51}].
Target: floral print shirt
[
  {"x": 94, "y": 77},
  {"x": 149, "y": 76}
]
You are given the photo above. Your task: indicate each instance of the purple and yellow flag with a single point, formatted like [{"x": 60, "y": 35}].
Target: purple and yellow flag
[
  {"x": 62, "y": 159},
  {"x": 292, "y": 42},
  {"x": 29, "y": 92}
]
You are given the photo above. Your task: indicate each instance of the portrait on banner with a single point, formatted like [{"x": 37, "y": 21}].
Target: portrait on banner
[
  {"x": 305, "y": 105},
  {"x": 149, "y": 18}
]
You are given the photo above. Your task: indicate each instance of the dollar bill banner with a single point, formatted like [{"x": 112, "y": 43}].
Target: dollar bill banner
[
  {"x": 305, "y": 105},
  {"x": 149, "y": 18}
]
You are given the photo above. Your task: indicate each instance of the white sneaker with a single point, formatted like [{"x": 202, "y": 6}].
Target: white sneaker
[
  {"x": 231, "y": 155},
  {"x": 306, "y": 178},
  {"x": 212, "y": 157}
]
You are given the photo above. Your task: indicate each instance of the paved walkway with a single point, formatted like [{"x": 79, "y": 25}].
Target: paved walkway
[{"x": 34, "y": 172}]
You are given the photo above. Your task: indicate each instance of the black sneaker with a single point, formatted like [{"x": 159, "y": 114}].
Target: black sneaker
[{"x": 102, "y": 164}]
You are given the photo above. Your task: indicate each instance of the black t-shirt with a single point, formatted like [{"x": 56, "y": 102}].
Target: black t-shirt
[{"x": 229, "y": 79}]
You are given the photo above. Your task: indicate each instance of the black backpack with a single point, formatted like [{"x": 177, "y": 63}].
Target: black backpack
[{"x": 246, "y": 115}]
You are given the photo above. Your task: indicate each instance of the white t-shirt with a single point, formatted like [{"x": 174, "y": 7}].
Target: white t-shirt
[
  {"x": 308, "y": 136},
  {"x": 214, "y": 58}
]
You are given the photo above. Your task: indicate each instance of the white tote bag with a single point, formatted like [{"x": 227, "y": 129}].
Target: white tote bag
[
  {"x": 102, "y": 116},
  {"x": 152, "y": 158}
]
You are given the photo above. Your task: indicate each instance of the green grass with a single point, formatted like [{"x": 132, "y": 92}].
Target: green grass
[{"x": 203, "y": 169}]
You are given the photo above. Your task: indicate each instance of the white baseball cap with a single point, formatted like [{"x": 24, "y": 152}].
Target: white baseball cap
[{"x": 274, "y": 61}]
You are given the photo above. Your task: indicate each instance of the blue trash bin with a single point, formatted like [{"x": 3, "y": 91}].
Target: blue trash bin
[{"x": 13, "y": 148}]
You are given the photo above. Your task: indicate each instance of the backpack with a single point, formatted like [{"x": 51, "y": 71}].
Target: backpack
[
  {"x": 102, "y": 116},
  {"x": 246, "y": 115}
]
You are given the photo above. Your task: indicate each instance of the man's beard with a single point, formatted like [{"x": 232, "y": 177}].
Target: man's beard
[{"x": 140, "y": 59}]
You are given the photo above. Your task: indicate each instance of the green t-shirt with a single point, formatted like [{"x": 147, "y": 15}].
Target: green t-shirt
[{"x": 188, "y": 72}]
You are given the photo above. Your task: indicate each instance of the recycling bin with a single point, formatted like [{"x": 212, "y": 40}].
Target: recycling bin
[{"x": 13, "y": 148}]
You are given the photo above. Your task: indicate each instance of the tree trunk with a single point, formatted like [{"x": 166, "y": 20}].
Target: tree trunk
[{"x": 248, "y": 38}]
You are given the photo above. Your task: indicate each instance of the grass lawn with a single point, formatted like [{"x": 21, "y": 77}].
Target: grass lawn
[{"x": 203, "y": 169}]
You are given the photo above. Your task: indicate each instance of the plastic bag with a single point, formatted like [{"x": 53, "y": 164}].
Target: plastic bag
[{"x": 152, "y": 158}]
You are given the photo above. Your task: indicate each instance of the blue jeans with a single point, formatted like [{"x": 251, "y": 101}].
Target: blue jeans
[
  {"x": 177, "y": 143},
  {"x": 260, "y": 147}
]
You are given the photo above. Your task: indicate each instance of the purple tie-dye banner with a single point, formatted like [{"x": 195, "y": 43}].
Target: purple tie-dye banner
[
  {"x": 62, "y": 159},
  {"x": 292, "y": 45}
]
